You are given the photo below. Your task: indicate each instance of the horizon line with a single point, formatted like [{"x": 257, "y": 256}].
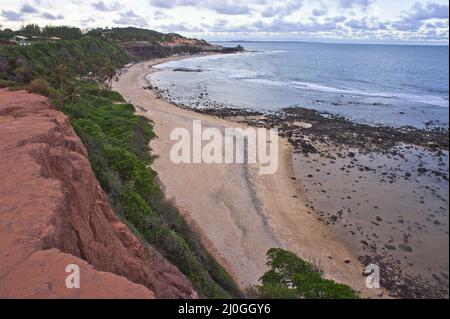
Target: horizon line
[
  {"x": 412, "y": 43},
  {"x": 334, "y": 42}
]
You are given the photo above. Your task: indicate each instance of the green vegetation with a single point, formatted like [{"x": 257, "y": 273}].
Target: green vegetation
[
  {"x": 77, "y": 76},
  {"x": 33, "y": 30},
  {"x": 6, "y": 34},
  {"x": 6, "y": 83},
  {"x": 40, "y": 86},
  {"x": 47, "y": 59},
  {"x": 134, "y": 34},
  {"x": 290, "y": 277},
  {"x": 63, "y": 32},
  {"x": 30, "y": 30},
  {"x": 128, "y": 34}
]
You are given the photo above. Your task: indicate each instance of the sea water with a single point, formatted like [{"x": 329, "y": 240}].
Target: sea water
[{"x": 376, "y": 84}]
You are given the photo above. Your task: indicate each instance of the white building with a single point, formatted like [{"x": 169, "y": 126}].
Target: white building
[{"x": 20, "y": 40}]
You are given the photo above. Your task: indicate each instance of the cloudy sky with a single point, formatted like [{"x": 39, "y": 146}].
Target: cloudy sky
[{"x": 391, "y": 21}]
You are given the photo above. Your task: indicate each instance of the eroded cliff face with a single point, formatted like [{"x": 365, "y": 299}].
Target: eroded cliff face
[
  {"x": 141, "y": 50},
  {"x": 53, "y": 213}
]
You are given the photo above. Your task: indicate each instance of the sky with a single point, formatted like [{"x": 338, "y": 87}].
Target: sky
[{"x": 367, "y": 21}]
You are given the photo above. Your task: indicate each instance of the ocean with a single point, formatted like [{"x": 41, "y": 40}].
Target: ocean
[{"x": 396, "y": 85}]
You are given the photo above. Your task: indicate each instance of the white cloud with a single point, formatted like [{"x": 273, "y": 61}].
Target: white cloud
[
  {"x": 101, "y": 6},
  {"x": 130, "y": 18},
  {"x": 283, "y": 10},
  {"x": 10, "y": 15},
  {"x": 254, "y": 19},
  {"x": 362, "y": 4},
  {"x": 226, "y": 7},
  {"x": 49, "y": 16},
  {"x": 27, "y": 8}
]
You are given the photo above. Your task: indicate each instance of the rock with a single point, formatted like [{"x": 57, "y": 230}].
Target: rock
[
  {"x": 422, "y": 170},
  {"x": 188, "y": 70},
  {"x": 405, "y": 248}
]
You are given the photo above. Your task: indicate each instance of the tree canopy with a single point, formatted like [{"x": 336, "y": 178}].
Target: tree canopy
[
  {"x": 64, "y": 32},
  {"x": 289, "y": 276}
]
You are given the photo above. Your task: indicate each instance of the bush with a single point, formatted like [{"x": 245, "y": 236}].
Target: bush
[
  {"x": 6, "y": 83},
  {"x": 112, "y": 95},
  {"x": 23, "y": 75},
  {"x": 290, "y": 277},
  {"x": 40, "y": 86}
]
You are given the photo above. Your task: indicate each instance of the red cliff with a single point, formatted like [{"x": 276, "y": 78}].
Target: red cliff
[{"x": 53, "y": 213}]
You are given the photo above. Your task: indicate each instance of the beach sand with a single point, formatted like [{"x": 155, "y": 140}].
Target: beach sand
[{"x": 237, "y": 213}]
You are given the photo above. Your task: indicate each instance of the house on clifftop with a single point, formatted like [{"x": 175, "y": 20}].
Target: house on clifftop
[{"x": 20, "y": 40}]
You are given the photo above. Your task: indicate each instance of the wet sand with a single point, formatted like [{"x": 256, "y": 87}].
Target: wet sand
[
  {"x": 238, "y": 213},
  {"x": 382, "y": 190},
  {"x": 386, "y": 210}
]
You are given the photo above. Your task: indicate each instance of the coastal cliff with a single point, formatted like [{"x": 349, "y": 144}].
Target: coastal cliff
[{"x": 54, "y": 213}]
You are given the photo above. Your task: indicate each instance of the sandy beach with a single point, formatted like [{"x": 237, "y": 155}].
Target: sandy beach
[
  {"x": 381, "y": 189},
  {"x": 238, "y": 213}
]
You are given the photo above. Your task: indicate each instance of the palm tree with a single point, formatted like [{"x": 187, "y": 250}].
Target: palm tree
[
  {"x": 71, "y": 94},
  {"x": 110, "y": 74},
  {"x": 62, "y": 73},
  {"x": 93, "y": 67},
  {"x": 81, "y": 69}
]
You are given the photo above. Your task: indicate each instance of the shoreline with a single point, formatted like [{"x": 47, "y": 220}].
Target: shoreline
[
  {"x": 380, "y": 189},
  {"x": 237, "y": 213}
]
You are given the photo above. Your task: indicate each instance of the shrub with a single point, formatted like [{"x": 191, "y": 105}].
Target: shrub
[
  {"x": 112, "y": 95},
  {"x": 6, "y": 83},
  {"x": 40, "y": 86},
  {"x": 290, "y": 277},
  {"x": 23, "y": 74}
]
